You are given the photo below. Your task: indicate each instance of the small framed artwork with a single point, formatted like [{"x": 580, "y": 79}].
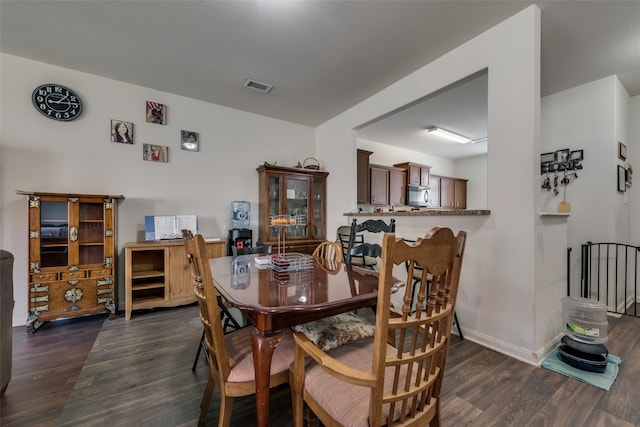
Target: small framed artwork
[
  {"x": 629, "y": 175},
  {"x": 156, "y": 113},
  {"x": 562, "y": 155},
  {"x": 576, "y": 155},
  {"x": 155, "y": 153},
  {"x": 190, "y": 140},
  {"x": 622, "y": 151},
  {"x": 121, "y": 131},
  {"x": 547, "y": 157},
  {"x": 622, "y": 178}
]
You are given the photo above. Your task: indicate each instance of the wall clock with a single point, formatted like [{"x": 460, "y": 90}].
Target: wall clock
[{"x": 57, "y": 102}]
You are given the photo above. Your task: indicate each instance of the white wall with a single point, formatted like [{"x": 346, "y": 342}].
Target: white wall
[
  {"x": 496, "y": 303},
  {"x": 592, "y": 117},
  {"x": 634, "y": 159},
  {"x": 39, "y": 154},
  {"x": 475, "y": 170}
]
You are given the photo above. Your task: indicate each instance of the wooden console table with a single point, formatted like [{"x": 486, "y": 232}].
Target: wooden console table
[{"x": 157, "y": 274}]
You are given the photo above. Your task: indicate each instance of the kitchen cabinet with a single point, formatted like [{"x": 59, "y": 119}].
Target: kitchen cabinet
[
  {"x": 417, "y": 174},
  {"x": 434, "y": 192},
  {"x": 387, "y": 185},
  {"x": 157, "y": 274},
  {"x": 379, "y": 177},
  {"x": 460, "y": 193},
  {"x": 452, "y": 192},
  {"x": 71, "y": 268},
  {"x": 397, "y": 187},
  {"x": 362, "y": 168},
  {"x": 297, "y": 193}
]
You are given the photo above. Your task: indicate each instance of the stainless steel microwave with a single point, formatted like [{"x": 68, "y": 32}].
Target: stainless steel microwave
[{"x": 417, "y": 195}]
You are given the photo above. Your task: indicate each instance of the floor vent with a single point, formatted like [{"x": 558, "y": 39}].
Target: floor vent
[{"x": 262, "y": 87}]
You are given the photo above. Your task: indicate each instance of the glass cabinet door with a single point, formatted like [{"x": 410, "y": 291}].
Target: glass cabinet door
[
  {"x": 54, "y": 234},
  {"x": 318, "y": 209},
  {"x": 274, "y": 203},
  {"x": 296, "y": 205}
]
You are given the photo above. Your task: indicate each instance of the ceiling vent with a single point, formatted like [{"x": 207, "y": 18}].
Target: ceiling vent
[{"x": 262, "y": 87}]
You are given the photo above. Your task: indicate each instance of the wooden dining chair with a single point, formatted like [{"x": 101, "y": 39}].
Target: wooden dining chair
[
  {"x": 395, "y": 377},
  {"x": 362, "y": 253},
  {"x": 328, "y": 250},
  {"x": 229, "y": 322},
  {"x": 231, "y": 366}
]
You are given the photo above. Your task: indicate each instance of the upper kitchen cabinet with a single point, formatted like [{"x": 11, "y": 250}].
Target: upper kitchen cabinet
[
  {"x": 299, "y": 194},
  {"x": 452, "y": 192},
  {"x": 397, "y": 186},
  {"x": 379, "y": 178},
  {"x": 417, "y": 174},
  {"x": 363, "y": 176},
  {"x": 387, "y": 185}
]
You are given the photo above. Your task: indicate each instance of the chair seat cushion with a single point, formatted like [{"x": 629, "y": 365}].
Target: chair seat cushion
[
  {"x": 348, "y": 404},
  {"x": 332, "y": 332},
  {"x": 241, "y": 355}
]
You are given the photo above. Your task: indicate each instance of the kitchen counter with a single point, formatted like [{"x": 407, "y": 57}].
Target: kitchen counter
[{"x": 423, "y": 212}]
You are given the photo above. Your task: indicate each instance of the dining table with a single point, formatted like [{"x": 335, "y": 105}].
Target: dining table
[{"x": 296, "y": 289}]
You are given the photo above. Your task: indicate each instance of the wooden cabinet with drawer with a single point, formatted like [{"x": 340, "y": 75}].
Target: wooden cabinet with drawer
[{"x": 71, "y": 256}]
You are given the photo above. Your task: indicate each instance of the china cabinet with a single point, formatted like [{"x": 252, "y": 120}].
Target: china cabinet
[
  {"x": 299, "y": 195},
  {"x": 71, "y": 267}
]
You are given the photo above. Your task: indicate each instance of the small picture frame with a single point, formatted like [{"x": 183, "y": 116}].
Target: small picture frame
[
  {"x": 155, "y": 153},
  {"x": 189, "y": 140},
  {"x": 562, "y": 156},
  {"x": 576, "y": 155},
  {"x": 547, "y": 157},
  {"x": 622, "y": 151},
  {"x": 622, "y": 179},
  {"x": 156, "y": 113},
  {"x": 121, "y": 131}
]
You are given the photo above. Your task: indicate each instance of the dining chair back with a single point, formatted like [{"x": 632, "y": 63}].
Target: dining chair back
[
  {"x": 366, "y": 254},
  {"x": 328, "y": 250},
  {"x": 231, "y": 366},
  {"x": 394, "y": 378},
  {"x": 328, "y": 255}
]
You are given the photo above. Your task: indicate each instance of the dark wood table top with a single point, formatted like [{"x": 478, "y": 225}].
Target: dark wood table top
[{"x": 292, "y": 297}]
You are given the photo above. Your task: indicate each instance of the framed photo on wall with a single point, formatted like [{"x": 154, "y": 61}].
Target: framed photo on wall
[
  {"x": 155, "y": 153},
  {"x": 190, "y": 140},
  {"x": 622, "y": 178},
  {"x": 622, "y": 151},
  {"x": 121, "y": 131},
  {"x": 156, "y": 113}
]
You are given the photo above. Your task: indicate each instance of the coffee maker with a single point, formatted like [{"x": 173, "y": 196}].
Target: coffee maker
[{"x": 240, "y": 235}]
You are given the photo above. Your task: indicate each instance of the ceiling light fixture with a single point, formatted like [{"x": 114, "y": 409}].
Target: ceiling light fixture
[{"x": 448, "y": 135}]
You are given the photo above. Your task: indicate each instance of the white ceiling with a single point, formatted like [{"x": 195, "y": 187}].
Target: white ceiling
[{"x": 322, "y": 57}]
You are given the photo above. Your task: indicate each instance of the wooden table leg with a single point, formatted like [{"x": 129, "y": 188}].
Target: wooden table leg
[{"x": 263, "y": 347}]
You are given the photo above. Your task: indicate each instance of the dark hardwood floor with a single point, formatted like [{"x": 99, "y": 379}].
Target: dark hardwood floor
[
  {"x": 481, "y": 387},
  {"x": 45, "y": 368}
]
